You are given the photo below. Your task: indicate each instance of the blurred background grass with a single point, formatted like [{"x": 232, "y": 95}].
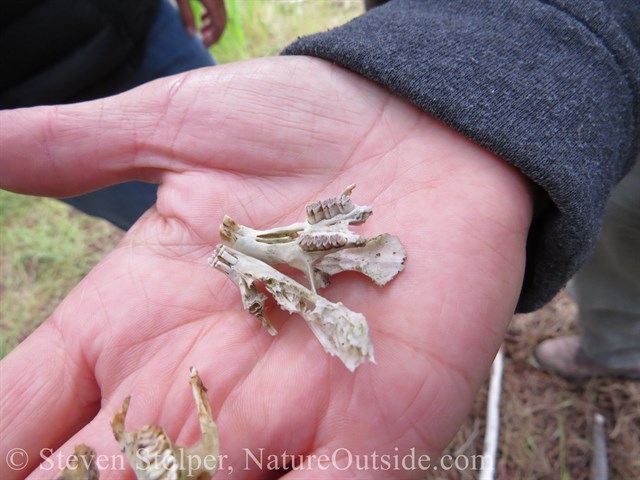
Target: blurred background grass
[
  {"x": 47, "y": 247},
  {"x": 258, "y": 28}
]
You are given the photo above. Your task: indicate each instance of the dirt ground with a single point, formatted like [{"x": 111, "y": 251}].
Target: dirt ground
[{"x": 547, "y": 423}]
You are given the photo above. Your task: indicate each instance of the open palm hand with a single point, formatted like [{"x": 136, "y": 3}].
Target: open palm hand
[{"x": 258, "y": 141}]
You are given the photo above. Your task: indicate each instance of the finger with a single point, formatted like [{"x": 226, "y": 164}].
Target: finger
[
  {"x": 253, "y": 118},
  {"x": 186, "y": 14},
  {"x": 270, "y": 116},
  {"x": 64, "y": 151},
  {"x": 48, "y": 393},
  {"x": 97, "y": 435},
  {"x": 208, "y": 32},
  {"x": 217, "y": 15}
]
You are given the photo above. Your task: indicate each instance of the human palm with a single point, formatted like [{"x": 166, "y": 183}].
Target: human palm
[{"x": 258, "y": 141}]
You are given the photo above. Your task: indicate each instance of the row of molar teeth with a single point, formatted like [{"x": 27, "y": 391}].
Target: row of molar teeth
[
  {"x": 323, "y": 241},
  {"x": 329, "y": 208}
]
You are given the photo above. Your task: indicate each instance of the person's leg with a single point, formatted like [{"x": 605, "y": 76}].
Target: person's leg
[
  {"x": 607, "y": 288},
  {"x": 120, "y": 204},
  {"x": 169, "y": 50},
  {"x": 607, "y": 292}
]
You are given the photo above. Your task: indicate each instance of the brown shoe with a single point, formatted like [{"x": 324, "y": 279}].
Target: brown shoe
[{"x": 564, "y": 357}]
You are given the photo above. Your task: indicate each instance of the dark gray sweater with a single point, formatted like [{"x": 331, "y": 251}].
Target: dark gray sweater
[{"x": 553, "y": 87}]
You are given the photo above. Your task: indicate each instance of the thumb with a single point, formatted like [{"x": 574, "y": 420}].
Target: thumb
[
  {"x": 256, "y": 117},
  {"x": 68, "y": 150}
]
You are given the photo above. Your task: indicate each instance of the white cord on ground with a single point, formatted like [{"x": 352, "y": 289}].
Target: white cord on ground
[
  {"x": 492, "y": 431},
  {"x": 599, "y": 462}
]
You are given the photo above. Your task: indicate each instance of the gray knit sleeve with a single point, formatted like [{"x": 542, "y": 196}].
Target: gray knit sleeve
[{"x": 553, "y": 87}]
